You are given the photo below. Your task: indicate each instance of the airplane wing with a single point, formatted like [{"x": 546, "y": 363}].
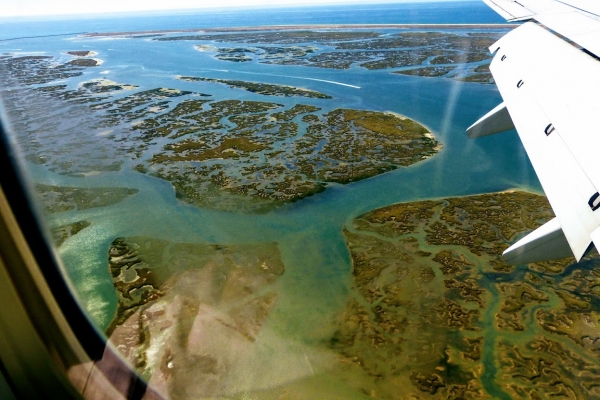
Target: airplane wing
[{"x": 548, "y": 73}]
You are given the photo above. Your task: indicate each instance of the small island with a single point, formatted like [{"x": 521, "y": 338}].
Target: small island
[
  {"x": 261, "y": 88},
  {"x": 426, "y": 71},
  {"x": 56, "y": 199},
  {"x": 82, "y": 53},
  {"x": 104, "y": 85},
  {"x": 82, "y": 60},
  {"x": 263, "y": 161}
]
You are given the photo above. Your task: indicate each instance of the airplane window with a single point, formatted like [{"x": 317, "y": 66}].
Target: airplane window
[{"x": 259, "y": 202}]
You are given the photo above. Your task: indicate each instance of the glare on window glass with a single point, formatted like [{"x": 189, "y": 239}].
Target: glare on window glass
[{"x": 280, "y": 200}]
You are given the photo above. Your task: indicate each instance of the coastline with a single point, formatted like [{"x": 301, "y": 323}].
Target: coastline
[
  {"x": 305, "y": 26},
  {"x": 311, "y": 238}
]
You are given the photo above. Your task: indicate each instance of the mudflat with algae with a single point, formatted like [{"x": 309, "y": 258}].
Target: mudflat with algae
[
  {"x": 435, "y": 313},
  {"x": 226, "y": 154},
  {"x": 57, "y": 199},
  {"x": 452, "y": 54},
  {"x": 189, "y": 314},
  {"x": 222, "y": 152}
]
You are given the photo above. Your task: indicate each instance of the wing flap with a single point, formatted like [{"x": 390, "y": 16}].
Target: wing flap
[
  {"x": 580, "y": 28},
  {"x": 496, "y": 121},
  {"x": 509, "y": 10},
  {"x": 577, "y": 20},
  {"x": 540, "y": 108},
  {"x": 596, "y": 238},
  {"x": 548, "y": 242},
  {"x": 564, "y": 83}
]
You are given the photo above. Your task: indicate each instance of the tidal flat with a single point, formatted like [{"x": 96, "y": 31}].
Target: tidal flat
[
  {"x": 225, "y": 154},
  {"x": 261, "y": 88},
  {"x": 55, "y": 199},
  {"x": 413, "y": 51},
  {"x": 434, "y": 307},
  {"x": 190, "y": 314},
  {"x": 321, "y": 296}
]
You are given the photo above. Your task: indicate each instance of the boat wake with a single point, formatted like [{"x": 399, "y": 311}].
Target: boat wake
[
  {"x": 326, "y": 81},
  {"x": 290, "y": 76}
]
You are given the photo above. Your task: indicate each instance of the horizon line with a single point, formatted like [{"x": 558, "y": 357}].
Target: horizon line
[{"x": 224, "y": 7}]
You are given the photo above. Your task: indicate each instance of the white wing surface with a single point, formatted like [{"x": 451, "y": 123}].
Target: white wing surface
[
  {"x": 577, "y": 20},
  {"x": 551, "y": 90}
]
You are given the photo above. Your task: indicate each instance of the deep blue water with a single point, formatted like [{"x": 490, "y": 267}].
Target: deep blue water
[{"x": 459, "y": 12}]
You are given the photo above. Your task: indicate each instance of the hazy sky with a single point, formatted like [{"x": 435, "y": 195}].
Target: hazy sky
[{"x": 58, "y": 7}]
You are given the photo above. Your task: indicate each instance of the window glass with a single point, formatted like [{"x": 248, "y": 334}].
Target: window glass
[{"x": 282, "y": 202}]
